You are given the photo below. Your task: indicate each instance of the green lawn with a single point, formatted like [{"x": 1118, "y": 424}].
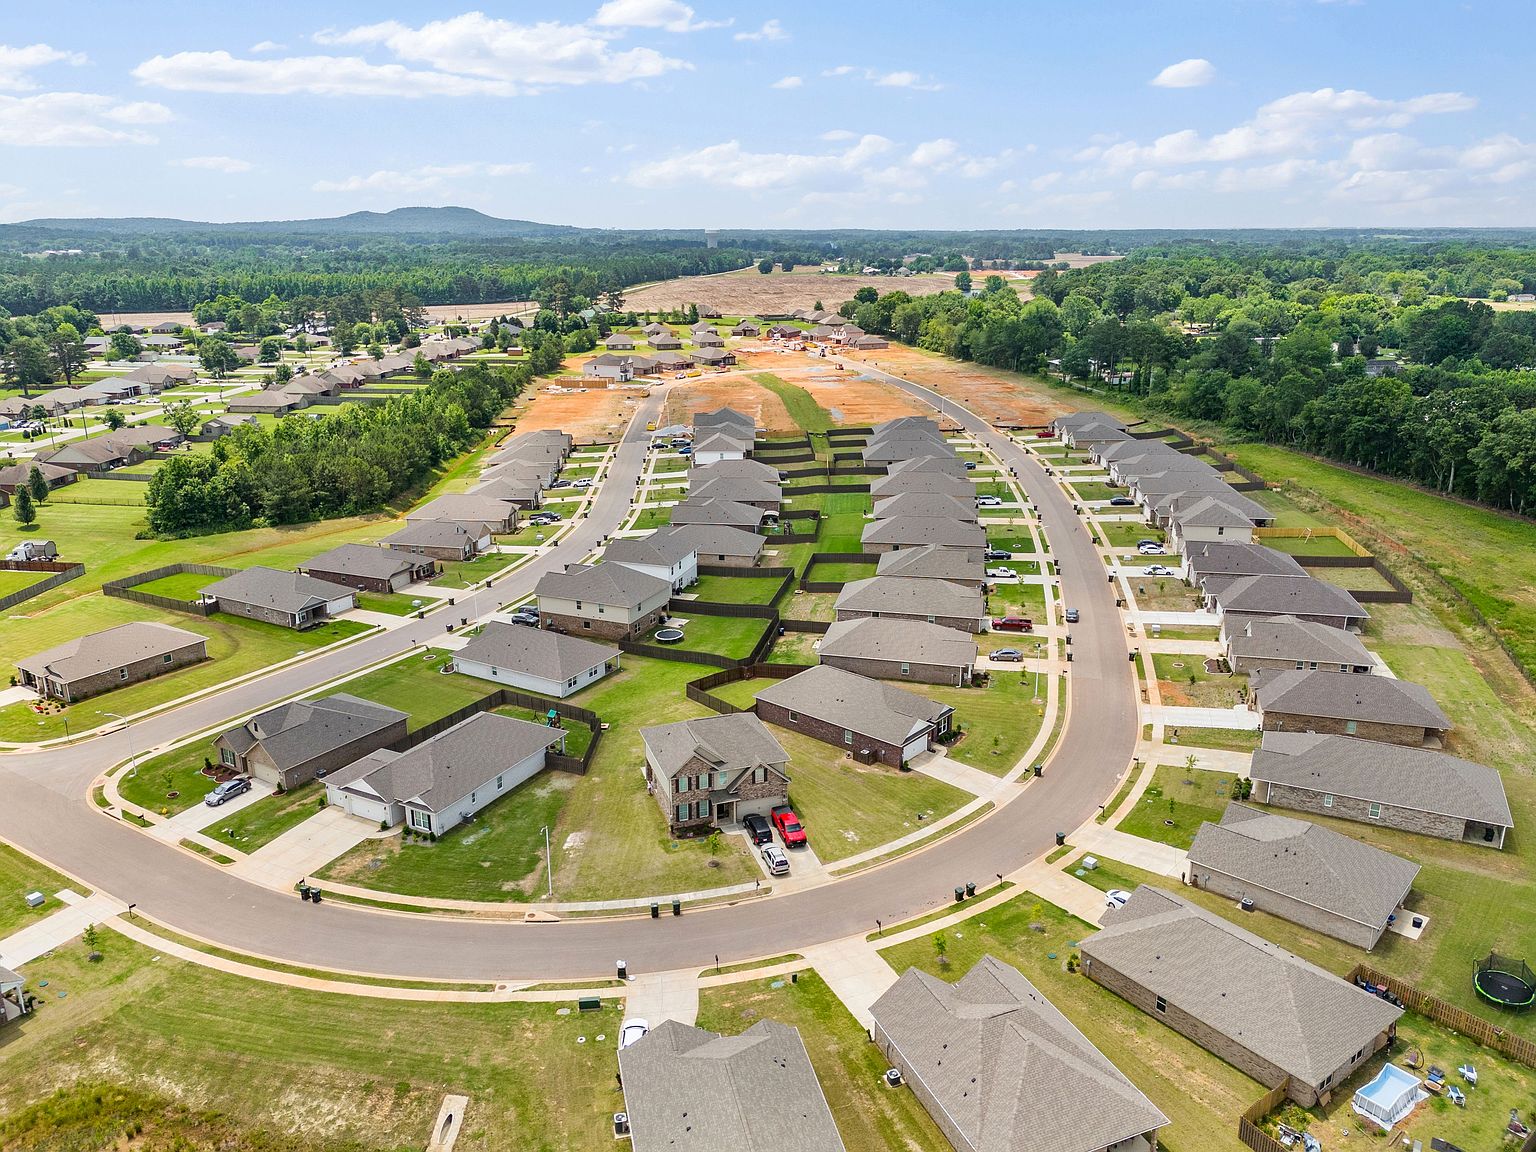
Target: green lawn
[
  {"x": 393, "y": 603},
  {"x": 264, "y": 821},
  {"x": 841, "y": 572},
  {"x": 1227, "y": 739},
  {"x": 1185, "y": 796},
  {"x": 1321, "y": 544},
  {"x": 736, "y": 589},
  {"x": 870, "y": 1117},
  {"x": 1185, "y": 682},
  {"x": 1096, "y": 490},
  {"x": 1012, "y": 537},
  {"x": 848, "y": 807},
  {"x": 999, "y": 721},
  {"x": 667, "y": 464},
  {"x": 180, "y": 770},
  {"x": 180, "y": 586},
  {"x": 733, "y": 636},
  {"x": 185, "y": 1033},
  {"x": 799, "y": 403},
  {"x": 1166, "y": 632},
  {"x": 652, "y": 518},
  {"x": 20, "y": 874},
  {"x": 464, "y": 573},
  {"x": 1121, "y": 535},
  {"x": 416, "y": 685},
  {"x": 1201, "y": 1096},
  {"x": 1013, "y": 599},
  {"x": 741, "y": 692},
  {"x": 16, "y": 581}
]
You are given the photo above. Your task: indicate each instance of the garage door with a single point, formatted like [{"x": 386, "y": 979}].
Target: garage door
[
  {"x": 337, "y": 607},
  {"x": 361, "y": 806},
  {"x": 915, "y": 747}
]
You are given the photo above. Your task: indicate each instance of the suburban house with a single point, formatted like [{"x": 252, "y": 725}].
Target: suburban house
[
  {"x": 893, "y": 597},
  {"x": 1335, "y": 704},
  {"x": 747, "y": 328},
  {"x": 921, "y": 483},
  {"x": 610, "y": 366},
  {"x": 757, "y": 493},
  {"x": 1414, "y": 789},
  {"x": 726, "y": 420},
  {"x": 469, "y": 508},
  {"x": 620, "y": 342},
  {"x": 917, "y": 531},
  {"x": 934, "y": 562},
  {"x": 892, "y": 649},
  {"x": 664, "y": 342},
  {"x": 1280, "y": 642},
  {"x": 688, "y": 1090},
  {"x": 1301, "y": 872},
  {"x": 1163, "y": 505},
  {"x": 369, "y": 569},
  {"x": 1305, "y": 598},
  {"x": 711, "y": 772},
  {"x": 999, "y": 1068},
  {"x": 868, "y": 343},
  {"x": 535, "y": 660},
  {"x": 729, "y": 513},
  {"x": 293, "y": 743},
  {"x": 287, "y": 599},
  {"x": 98, "y": 454},
  {"x": 735, "y": 470},
  {"x": 944, "y": 465},
  {"x": 1214, "y": 566},
  {"x": 524, "y": 470},
  {"x": 441, "y": 539},
  {"x": 272, "y": 401},
  {"x": 717, "y": 446},
  {"x": 710, "y": 339},
  {"x": 102, "y": 661},
  {"x": 608, "y": 600},
  {"x": 1209, "y": 519},
  {"x": 1268, "y": 1013},
  {"x": 225, "y": 424},
  {"x": 664, "y": 556},
  {"x": 13, "y": 999},
  {"x": 16, "y": 475},
  {"x": 934, "y": 505},
  {"x": 708, "y": 353},
  {"x": 866, "y": 717},
  {"x": 445, "y": 780},
  {"x": 526, "y": 491},
  {"x": 716, "y": 543},
  {"x": 891, "y": 450}
]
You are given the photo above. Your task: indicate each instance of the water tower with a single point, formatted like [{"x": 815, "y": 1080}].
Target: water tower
[{"x": 711, "y": 237}]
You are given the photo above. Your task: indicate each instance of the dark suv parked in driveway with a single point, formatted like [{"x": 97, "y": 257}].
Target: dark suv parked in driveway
[{"x": 757, "y": 828}]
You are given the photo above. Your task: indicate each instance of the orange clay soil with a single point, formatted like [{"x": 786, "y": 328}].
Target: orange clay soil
[
  {"x": 598, "y": 414},
  {"x": 998, "y": 396}
]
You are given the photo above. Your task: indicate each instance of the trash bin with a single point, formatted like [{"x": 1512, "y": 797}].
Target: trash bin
[
  {"x": 970, "y": 889},
  {"x": 623, "y": 970},
  {"x": 314, "y": 894},
  {"x": 1132, "y": 655},
  {"x": 677, "y": 907},
  {"x": 655, "y": 910},
  {"x": 1039, "y": 770},
  {"x": 1061, "y": 838},
  {"x": 303, "y": 891},
  {"x": 959, "y": 895}
]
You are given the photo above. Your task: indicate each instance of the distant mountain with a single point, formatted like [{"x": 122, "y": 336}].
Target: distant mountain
[{"x": 448, "y": 221}]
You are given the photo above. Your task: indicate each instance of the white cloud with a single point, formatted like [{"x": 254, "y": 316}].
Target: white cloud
[
  {"x": 228, "y": 165},
  {"x": 1195, "y": 73},
  {"x": 729, "y": 165},
  {"x": 945, "y": 156},
  {"x": 10, "y": 191},
  {"x": 787, "y": 82},
  {"x": 1045, "y": 180},
  {"x": 468, "y": 55},
  {"x": 771, "y": 30},
  {"x": 76, "y": 119},
  {"x": 836, "y": 134},
  {"x": 668, "y": 15},
  {"x": 430, "y": 178},
  {"x": 268, "y": 46},
  {"x": 15, "y": 63},
  {"x": 841, "y": 70},
  {"x": 901, "y": 79}
]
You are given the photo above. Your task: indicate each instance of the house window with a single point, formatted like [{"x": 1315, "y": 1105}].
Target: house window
[
  {"x": 847, "y": 736},
  {"x": 1328, "y": 800},
  {"x": 721, "y": 779},
  {"x": 1349, "y": 727},
  {"x": 571, "y": 683},
  {"x": 166, "y": 659},
  {"x": 1374, "y": 811},
  {"x": 1314, "y": 665},
  {"x": 681, "y": 784},
  {"x": 702, "y": 810},
  {"x": 578, "y": 605},
  {"x": 1301, "y": 665},
  {"x": 586, "y": 623},
  {"x": 1220, "y": 531},
  {"x": 759, "y": 775},
  {"x": 122, "y": 673},
  {"x": 226, "y": 757},
  {"x": 1162, "y": 1004},
  {"x": 906, "y": 669},
  {"x": 498, "y": 783},
  {"x": 794, "y": 717},
  {"x": 422, "y": 820},
  {"x": 682, "y": 813},
  {"x": 471, "y": 797}
]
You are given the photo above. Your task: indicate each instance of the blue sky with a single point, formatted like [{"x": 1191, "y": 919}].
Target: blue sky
[{"x": 784, "y": 114}]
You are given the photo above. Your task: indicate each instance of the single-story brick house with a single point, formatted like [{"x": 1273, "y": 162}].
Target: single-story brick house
[
  {"x": 930, "y": 504},
  {"x": 469, "y": 508},
  {"x": 894, "y": 649},
  {"x": 856, "y": 713},
  {"x": 1305, "y": 598},
  {"x": 293, "y": 743},
  {"x": 717, "y": 544},
  {"x": 714, "y": 771},
  {"x": 1280, "y": 642},
  {"x": 1339, "y": 704},
  {"x": 725, "y": 513},
  {"x": 934, "y": 562},
  {"x": 611, "y": 601},
  {"x": 758, "y": 493},
  {"x": 441, "y": 539},
  {"x": 918, "y": 531},
  {"x": 934, "y": 601},
  {"x": 287, "y": 599},
  {"x": 535, "y": 660},
  {"x": 115, "y": 658},
  {"x": 944, "y": 464},
  {"x": 922, "y": 484},
  {"x": 369, "y": 569},
  {"x": 16, "y": 475}
]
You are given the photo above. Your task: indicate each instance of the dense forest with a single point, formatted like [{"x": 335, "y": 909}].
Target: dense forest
[{"x": 1366, "y": 355}]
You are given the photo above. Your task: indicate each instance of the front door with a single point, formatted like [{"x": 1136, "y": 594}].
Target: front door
[{"x": 725, "y": 812}]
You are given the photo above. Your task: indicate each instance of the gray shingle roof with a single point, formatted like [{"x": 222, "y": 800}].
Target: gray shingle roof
[
  {"x": 433, "y": 533},
  {"x": 1306, "y": 862},
  {"x": 734, "y": 488},
  {"x": 702, "y": 510},
  {"x": 1288, "y": 596},
  {"x": 722, "y": 442},
  {"x": 947, "y": 465},
  {"x": 658, "y": 549},
  {"x": 108, "y": 650},
  {"x": 1211, "y": 512},
  {"x": 726, "y": 420},
  {"x": 929, "y": 504},
  {"x": 891, "y": 450},
  {"x": 273, "y": 588},
  {"x": 716, "y": 539},
  {"x": 687, "y": 1090},
  {"x": 931, "y": 562},
  {"x": 1251, "y": 511},
  {"x": 296, "y": 732},
  {"x": 535, "y": 651},
  {"x": 608, "y": 584},
  {"x": 731, "y": 743},
  {"x": 914, "y": 641},
  {"x": 1241, "y": 560},
  {"x": 1081, "y": 419},
  {"x": 1287, "y": 638},
  {"x": 1347, "y": 696},
  {"x": 1007, "y": 1067},
  {"x": 892, "y": 595},
  {"x": 464, "y": 506},
  {"x": 921, "y": 482},
  {"x": 441, "y": 771},
  {"x": 911, "y": 531},
  {"x": 735, "y": 470},
  {"x": 1278, "y": 1006},
  {"x": 907, "y": 423},
  {"x": 362, "y": 560},
  {"x": 857, "y": 703},
  {"x": 1415, "y": 778}
]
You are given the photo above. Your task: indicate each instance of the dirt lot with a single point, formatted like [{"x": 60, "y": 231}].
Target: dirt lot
[
  {"x": 991, "y": 392},
  {"x": 598, "y": 414},
  {"x": 726, "y": 390},
  {"x": 750, "y": 293},
  {"x": 435, "y": 313}
]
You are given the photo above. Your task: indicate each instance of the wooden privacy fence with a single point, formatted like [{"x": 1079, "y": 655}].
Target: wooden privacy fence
[
  {"x": 58, "y": 574},
  {"x": 1338, "y": 534},
  {"x": 698, "y": 690},
  {"x": 1485, "y": 1032},
  {"x": 1362, "y": 558},
  {"x": 728, "y": 570},
  {"x": 1248, "y": 1130},
  {"x": 511, "y": 697},
  {"x": 809, "y": 585},
  {"x": 125, "y": 589}
]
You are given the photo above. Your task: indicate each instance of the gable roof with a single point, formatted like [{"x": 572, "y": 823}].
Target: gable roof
[
  {"x": 363, "y": 560},
  {"x": 856, "y": 703},
  {"x": 931, "y": 562},
  {"x": 437, "y": 533},
  {"x": 892, "y": 594},
  {"x": 1211, "y": 512},
  {"x": 723, "y": 442},
  {"x": 948, "y": 465},
  {"x": 941, "y": 483},
  {"x": 107, "y": 650},
  {"x": 656, "y": 549},
  {"x": 703, "y": 510},
  {"x": 688, "y": 1090},
  {"x": 607, "y": 584},
  {"x": 1237, "y": 559},
  {"x": 1007, "y": 1068},
  {"x": 535, "y": 651},
  {"x": 912, "y": 641},
  {"x": 276, "y": 589},
  {"x": 1347, "y": 696},
  {"x": 728, "y": 743},
  {"x": 930, "y": 504},
  {"x": 296, "y": 732},
  {"x": 1416, "y": 778},
  {"x": 1305, "y": 862},
  {"x": 1288, "y": 596},
  {"x": 457, "y": 761},
  {"x": 716, "y": 539},
  {"x": 464, "y": 506},
  {"x": 1286, "y": 1011},
  {"x": 1287, "y": 638},
  {"x": 735, "y": 470},
  {"x": 735, "y": 488},
  {"x": 914, "y": 530}
]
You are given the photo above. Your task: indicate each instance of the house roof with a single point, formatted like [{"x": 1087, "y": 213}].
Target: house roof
[
  {"x": 276, "y": 589},
  {"x": 1416, "y": 778},
  {"x": 1287, "y": 638},
  {"x": 911, "y": 641},
  {"x": 725, "y": 418},
  {"x": 735, "y": 488},
  {"x": 296, "y": 732},
  {"x": 932, "y": 504},
  {"x": 534, "y": 651},
  {"x": 1304, "y": 862},
  {"x": 890, "y": 595},
  {"x": 21, "y": 473},
  {"x": 435, "y": 533},
  {"x": 703, "y": 510},
  {"x": 897, "y": 483},
  {"x": 688, "y": 1090},
  {"x": 442, "y": 771},
  {"x": 1176, "y": 504},
  {"x": 1286, "y": 1011},
  {"x": 716, "y": 539},
  {"x": 362, "y": 560},
  {"x": 1288, "y": 596},
  {"x": 948, "y": 465},
  {"x": 885, "y": 451},
  {"x": 1211, "y": 512},
  {"x": 1347, "y": 696},
  {"x": 98, "y": 450},
  {"x": 467, "y": 506},
  {"x": 728, "y": 743},
  {"x": 509, "y": 487},
  {"x": 931, "y": 562},
  {"x": 914, "y": 530},
  {"x": 857, "y": 703},
  {"x": 1008, "y": 1069},
  {"x": 722, "y": 442},
  {"x": 656, "y": 549},
  {"x": 108, "y": 650},
  {"x": 1080, "y": 419},
  {"x": 1241, "y": 560},
  {"x": 735, "y": 470},
  {"x": 607, "y": 584}
]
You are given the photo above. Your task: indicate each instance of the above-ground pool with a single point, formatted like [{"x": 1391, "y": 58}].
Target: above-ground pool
[{"x": 1389, "y": 1097}]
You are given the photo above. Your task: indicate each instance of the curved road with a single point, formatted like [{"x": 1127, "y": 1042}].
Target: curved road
[{"x": 43, "y": 810}]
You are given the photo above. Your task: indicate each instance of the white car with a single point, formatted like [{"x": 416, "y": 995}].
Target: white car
[
  {"x": 776, "y": 862},
  {"x": 1152, "y": 550},
  {"x": 1002, "y": 574},
  {"x": 631, "y": 1030},
  {"x": 1116, "y": 898},
  {"x": 989, "y": 502},
  {"x": 1158, "y": 570}
]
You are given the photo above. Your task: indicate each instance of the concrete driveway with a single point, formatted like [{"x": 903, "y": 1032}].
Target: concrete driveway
[
  {"x": 301, "y": 851},
  {"x": 200, "y": 816}
]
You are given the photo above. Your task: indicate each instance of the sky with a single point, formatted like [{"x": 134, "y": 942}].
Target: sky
[{"x": 784, "y": 114}]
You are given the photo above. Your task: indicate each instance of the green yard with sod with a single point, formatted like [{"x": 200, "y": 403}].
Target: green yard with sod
[
  {"x": 799, "y": 403},
  {"x": 1009, "y": 598},
  {"x": 19, "y": 875},
  {"x": 999, "y": 721},
  {"x": 264, "y": 821},
  {"x": 1013, "y": 537},
  {"x": 732, "y": 636},
  {"x": 149, "y": 783},
  {"x": 1175, "y": 804},
  {"x": 736, "y": 589},
  {"x": 464, "y": 573},
  {"x": 15, "y": 581},
  {"x": 1186, "y": 683},
  {"x": 1226, "y": 739},
  {"x": 417, "y": 686},
  {"x": 1121, "y": 535}
]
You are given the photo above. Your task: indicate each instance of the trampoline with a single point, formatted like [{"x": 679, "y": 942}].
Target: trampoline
[{"x": 1506, "y": 982}]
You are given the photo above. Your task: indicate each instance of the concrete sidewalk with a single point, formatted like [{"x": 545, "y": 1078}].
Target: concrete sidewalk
[
  {"x": 1148, "y": 855},
  {"x": 1172, "y": 716},
  {"x": 305, "y": 849},
  {"x": 58, "y": 929},
  {"x": 857, "y": 974}
]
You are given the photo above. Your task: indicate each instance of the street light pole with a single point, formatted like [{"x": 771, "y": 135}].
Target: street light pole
[
  {"x": 549, "y": 864},
  {"x": 133, "y": 756}
]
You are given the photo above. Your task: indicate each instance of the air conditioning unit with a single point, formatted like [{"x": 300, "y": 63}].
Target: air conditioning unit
[{"x": 620, "y": 1124}]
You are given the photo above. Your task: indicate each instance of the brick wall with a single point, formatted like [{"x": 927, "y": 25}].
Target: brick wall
[
  {"x": 827, "y": 733},
  {"x": 609, "y": 629},
  {"x": 1286, "y": 907},
  {"x": 1410, "y": 735},
  {"x": 1352, "y": 808},
  {"x": 891, "y": 670},
  {"x": 1247, "y": 664}
]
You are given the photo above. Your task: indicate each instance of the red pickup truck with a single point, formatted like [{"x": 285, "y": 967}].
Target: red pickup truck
[
  {"x": 788, "y": 824},
  {"x": 1013, "y": 624}
]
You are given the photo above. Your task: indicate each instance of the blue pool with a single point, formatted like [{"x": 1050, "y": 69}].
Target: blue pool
[{"x": 1389, "y": 1097}]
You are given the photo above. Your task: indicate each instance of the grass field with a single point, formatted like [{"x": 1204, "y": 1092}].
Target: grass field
[
  {"x": 1201, "y": 1096},
  {"x": 417, "y": 687},
  {"x": 870, "y": 1117},
  {"x": 1185, "y": 796},
  {"x": 799, "y": 403},
  {"x": 1321, "y": 544},
  {"x": 179, "y": 586},
  {"x": 843, "y": 572},
  {"x": 20, "y": 874},
  {"x": 736, "y": 589},
  {"x": 1008, "y": 599},
  {"x": 1014, "y": 538},
  {"x": 1122, "y": 535},
  {"x": 264, "y": 821},
  {"x": 16, "y": 581},
  {"x": 180, "y": 770},
  {"x": 464, "y": 573},
  {"x": 1227, "y": 739},
  {"x": 1000, "y": 721}
]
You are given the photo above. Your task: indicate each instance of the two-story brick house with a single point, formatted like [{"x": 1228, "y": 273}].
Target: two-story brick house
[{"x": 714, "y": 771}]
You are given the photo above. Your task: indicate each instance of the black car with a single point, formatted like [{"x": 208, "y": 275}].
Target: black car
[
  {"x": 998, "y": 554},
  {"x": 757, "y": 828},
  {"x": 1121, "y": 501},
  {"x": 525, "y": 616}
]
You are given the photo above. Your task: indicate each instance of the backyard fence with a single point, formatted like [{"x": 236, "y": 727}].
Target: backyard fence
[
  {"x": 720, "y": 608},
  {"x": 698, "y": 690},
  {"x": 729, "y": 570},
  {"x": 1338, "y": 534},
  {"x": 125, "y": 589},
  {"x": 59, "y": 574},
  {"x": 809, "y": 585},
  {"x": 1253, "y": 481},
  {"x": 119, "y": 474},
  {"x": 1248, "y": 1130},
  {"x": 785, "y": 444},
  {"x": 512, "y": 698},
  {"x": 1362, "y": 558},
  {"x": 1485, "y": 1032},
  {"x": 773, "y": 459}
]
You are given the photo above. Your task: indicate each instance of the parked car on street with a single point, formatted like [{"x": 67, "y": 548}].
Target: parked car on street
[
  {"x": 1145, "y": 541},
  {"x": 788, "y": 824},
  {"x": 757, "y": 828},
  {"x": 1013, "y": 624},
  {"x": 227, "y": 791},
  {"x": 776, "y": 862},
  {"x": 1008, "y": 656},
  {"x": 1072, "y": 616}
]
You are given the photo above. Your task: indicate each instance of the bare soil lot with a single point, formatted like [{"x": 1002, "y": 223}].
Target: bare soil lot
[
  {"x": 1001, "y": 397},
  {"x": 598, "y": 414},
  {"x": 750, "y": 293}
]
